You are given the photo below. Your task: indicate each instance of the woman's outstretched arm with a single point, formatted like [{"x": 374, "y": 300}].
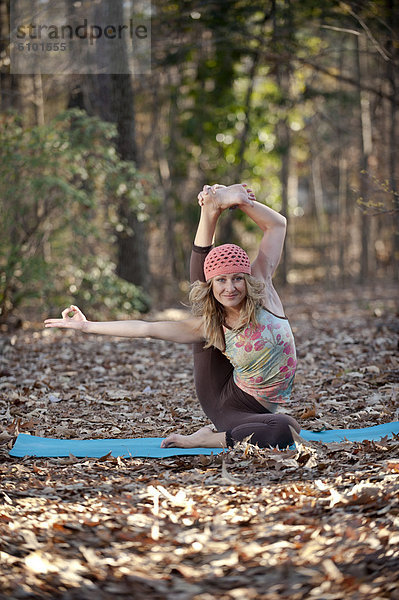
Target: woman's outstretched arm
[{"x": 184, "y": 332}]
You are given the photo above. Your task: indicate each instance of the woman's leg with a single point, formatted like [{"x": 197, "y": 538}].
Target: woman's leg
[
  {"x": 241, "y": 415},
  {"x": 269, "y": 430}
]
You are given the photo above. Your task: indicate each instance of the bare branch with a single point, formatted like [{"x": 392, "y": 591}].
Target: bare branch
[
  {"x": 342, "y": 29},
  {"x": 376, "y": 44}
]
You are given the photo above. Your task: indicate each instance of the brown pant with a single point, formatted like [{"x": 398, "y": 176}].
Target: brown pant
[{"x": 225, "y": 404}]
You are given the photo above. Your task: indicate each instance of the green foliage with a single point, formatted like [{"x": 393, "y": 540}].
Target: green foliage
[
  {"x": 60, "y": 185},
  {"x": 95, "y": 284}
]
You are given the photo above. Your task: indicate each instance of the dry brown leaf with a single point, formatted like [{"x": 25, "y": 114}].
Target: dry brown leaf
[{"x": 308, "y": 413}]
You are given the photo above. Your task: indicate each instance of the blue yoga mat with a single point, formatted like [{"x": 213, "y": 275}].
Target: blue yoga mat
[{"x": 30, "y": 445}]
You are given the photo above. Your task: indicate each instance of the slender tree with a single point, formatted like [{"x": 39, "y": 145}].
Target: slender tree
[{"x": 111, "y": 97}]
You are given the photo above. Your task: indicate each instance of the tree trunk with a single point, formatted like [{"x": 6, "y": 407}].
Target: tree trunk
[
  {"x": 322, "y": 233},
  {"x": 28, "y": 98},
  {"x": 7, "y": 81},
  {"x": 165, "y": 159},
  {"x": 393, "y": 22},
  {"x": 284, "y": 136},
  {"x": 282, "y": 33},
  {"x": 132, "y": 241},
  {"x": 366, "y": 146},
  {"x": 342, "y": 217},
  {"x": 111, "y": 97}
]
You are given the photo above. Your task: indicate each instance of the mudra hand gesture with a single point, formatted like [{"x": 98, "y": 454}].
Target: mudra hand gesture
[{"x": 72, "y": 318}]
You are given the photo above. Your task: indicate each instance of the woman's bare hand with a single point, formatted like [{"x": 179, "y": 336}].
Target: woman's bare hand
[{"x": 72, "y": 318}]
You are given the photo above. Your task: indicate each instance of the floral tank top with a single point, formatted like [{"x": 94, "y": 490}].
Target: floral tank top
[{"x": 264, "y": 358}]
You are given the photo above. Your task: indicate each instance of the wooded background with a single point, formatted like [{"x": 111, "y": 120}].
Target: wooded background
[{"x": 100, "y": 173}]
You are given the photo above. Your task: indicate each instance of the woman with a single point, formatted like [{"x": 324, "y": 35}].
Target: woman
[{"x": 244, "y": 351}]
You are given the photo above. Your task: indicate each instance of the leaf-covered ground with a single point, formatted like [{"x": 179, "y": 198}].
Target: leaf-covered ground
[{"x": 316, "y": 522}]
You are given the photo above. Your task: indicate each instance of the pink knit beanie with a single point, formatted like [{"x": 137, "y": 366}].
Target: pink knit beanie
[{"x": 226, "y": 259}]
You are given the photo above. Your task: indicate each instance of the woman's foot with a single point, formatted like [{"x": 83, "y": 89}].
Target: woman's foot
[
  {"x": 220, "y": 197},
  {"x": 203, "y": 438}
]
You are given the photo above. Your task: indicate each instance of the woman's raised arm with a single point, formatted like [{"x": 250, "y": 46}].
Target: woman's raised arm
[
  {"x": 272, "y": 223},
  {"x": 274, "y": 226},
  {"x": 270, "y": 249},
  {"x": 184, "y": 332}
]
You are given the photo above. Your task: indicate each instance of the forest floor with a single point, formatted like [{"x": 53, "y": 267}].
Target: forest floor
[{"x": 316, "y": 522}]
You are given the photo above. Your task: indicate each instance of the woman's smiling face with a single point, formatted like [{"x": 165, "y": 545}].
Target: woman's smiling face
[{"x": 230, "y": 290}]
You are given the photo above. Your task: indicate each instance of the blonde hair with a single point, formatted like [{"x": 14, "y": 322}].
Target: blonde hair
[{"x": 204, "y": 304}]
